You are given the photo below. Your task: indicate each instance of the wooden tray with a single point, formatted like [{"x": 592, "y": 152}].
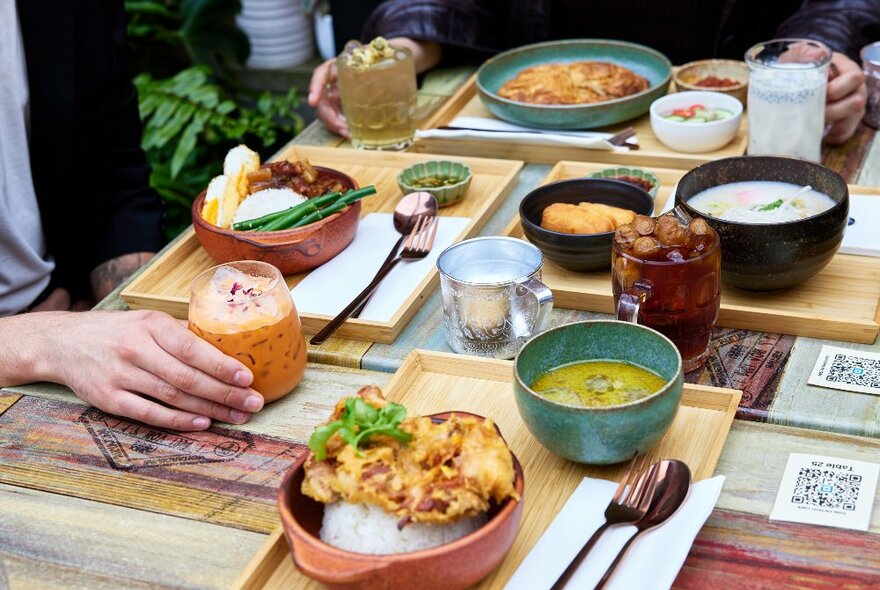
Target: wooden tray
[
  {"x": 466, "y": 102},
  {"x": 429, "y": 382},
  {"x": 165, "y": 285},
  {"x": 842, "y": 302}
]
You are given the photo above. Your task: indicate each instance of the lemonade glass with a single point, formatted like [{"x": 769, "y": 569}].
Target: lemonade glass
[{"x": 245, "y": 310}]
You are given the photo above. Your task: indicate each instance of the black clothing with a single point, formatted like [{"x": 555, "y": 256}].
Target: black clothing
[
  {"x": 90, "y": 175},
  {"x": 473, "y": 29}
]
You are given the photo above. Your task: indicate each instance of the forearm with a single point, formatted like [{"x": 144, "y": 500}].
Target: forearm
[
  {"x": 844, "y": 25},
  {"x": 110, "y": 274},
  {"x": 26, "y": 352}
]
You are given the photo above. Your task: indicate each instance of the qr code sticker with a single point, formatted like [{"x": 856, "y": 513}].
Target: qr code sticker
[
  {"x": 826, "y": 489},
  {"x": 853, "y": 370}
]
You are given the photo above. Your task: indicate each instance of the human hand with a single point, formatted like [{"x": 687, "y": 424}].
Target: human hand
[
  {"x": 324, "y": 98},
  {"x": 845, "y": 99},
  {"x": 147, "y": 366}
]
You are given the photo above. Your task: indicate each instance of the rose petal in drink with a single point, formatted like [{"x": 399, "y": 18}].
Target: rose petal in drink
[{"x": 643, "y": 224}]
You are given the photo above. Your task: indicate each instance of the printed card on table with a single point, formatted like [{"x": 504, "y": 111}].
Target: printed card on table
[
  {"x": 826, "y": 491},
  {"x": 847, "y": 369}
]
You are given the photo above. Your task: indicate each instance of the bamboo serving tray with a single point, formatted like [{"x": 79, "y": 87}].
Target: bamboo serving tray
[
  {"x": 466, "y": 102},
  {"x": 430, "y": 382},
  {"x": 165, "y": 285},
  {"x": 842, "y": 302}
]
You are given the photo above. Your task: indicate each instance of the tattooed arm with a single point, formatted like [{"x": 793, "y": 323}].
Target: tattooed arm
[{"x": 109, "y": 275}]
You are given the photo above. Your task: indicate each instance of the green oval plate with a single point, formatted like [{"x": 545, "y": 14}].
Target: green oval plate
[{"x": 642, "y": 60}]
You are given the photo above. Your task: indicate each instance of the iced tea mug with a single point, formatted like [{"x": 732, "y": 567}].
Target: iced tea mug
[
  {"x": 668, "y": 279},
  {"x": 245, "y": 310}
]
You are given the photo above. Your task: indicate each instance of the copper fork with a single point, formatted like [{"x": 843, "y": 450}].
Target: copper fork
[
  {"x": 628, "y": 505},
  {"x": 416, "y": 247}
]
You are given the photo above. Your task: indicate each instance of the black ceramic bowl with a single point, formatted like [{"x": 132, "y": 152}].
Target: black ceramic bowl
[
  {"x": 763, "y": 257},
  {"x": 579, "y": 252}
]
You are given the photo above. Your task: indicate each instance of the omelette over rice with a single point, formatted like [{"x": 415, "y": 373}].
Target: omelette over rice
[
  {"x": 581, "y": 82},
  {"x": 447, "y": 471}
]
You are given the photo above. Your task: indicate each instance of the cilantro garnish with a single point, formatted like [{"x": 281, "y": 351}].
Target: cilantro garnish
[{"x": 358, "y": 422}]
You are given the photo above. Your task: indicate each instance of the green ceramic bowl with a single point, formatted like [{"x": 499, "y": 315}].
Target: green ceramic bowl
[
  {"x": 642, "y": 60},
  {"x": 449, "y": 194},
  {"x": 598, "y": 436},
  {"x": 622, "y": 172}
]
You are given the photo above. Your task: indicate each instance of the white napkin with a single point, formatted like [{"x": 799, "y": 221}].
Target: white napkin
[
  {"x": 501, "y": 131},
  {"x": 653, "y": 560},
  {"x": 330, "y": 287},
  {"x": 861, "y": 237}
]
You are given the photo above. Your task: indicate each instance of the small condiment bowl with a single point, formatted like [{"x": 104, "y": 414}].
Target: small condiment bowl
[
  {"x": 604, "y": 435},
  {"x": 456, "y": 565},
  {"x": 687, "y": 76},
  {"x": 291, "y": 250},
  {"x": 624, "y": 173},
  {"x": 446, "y": 195},
  {"x": 695, "y": 137},
  {"x": 579, "y": 252}
]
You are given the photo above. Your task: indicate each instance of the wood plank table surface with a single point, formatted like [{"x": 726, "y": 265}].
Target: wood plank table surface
[{"x": 94, "y": 502}]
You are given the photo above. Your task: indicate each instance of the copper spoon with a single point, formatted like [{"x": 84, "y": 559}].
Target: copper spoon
[
  {"x": 672, "y": 489},
  {"x": 408, "y": 210}
]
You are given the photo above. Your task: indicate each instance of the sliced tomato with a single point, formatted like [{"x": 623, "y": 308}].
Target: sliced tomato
[
  {"x": 695, "y": 107},
  {"x": 686, "y": 113}
]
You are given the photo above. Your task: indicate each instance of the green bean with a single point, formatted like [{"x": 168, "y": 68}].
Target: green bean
[
  {"x": 308, "y": 208},
  {"x": 346, "y": 200},
  {"x": 258, "y": 223}
]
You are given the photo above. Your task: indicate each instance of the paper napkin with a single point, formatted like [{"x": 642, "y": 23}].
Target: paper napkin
[
  {"x": 494, "y": 130},
  {"x": 653, "y": 560},
  {"x": 861, "y": 237},
  {"x": 330, "y": 287}
]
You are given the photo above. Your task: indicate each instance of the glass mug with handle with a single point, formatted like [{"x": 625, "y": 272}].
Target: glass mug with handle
[
  {"x": 245, "y": 309},
  {"x": 493, "y": 297},
  {"x": 666, "y": 275}
]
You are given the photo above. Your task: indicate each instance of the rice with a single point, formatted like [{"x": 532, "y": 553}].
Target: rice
[
  {"x": 365, "y": 528},
  {"x": 264, "y": 202}
]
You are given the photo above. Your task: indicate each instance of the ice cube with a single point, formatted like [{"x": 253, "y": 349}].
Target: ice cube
[{"x": 675, "y": 255}]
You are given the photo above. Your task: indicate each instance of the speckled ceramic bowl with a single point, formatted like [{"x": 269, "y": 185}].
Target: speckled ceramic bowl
[
  {"x": 456, "y": 565},
  {"x": 598, "y": 436},
  {"x": 446, "y": 195},
  {"x": 622, "y": 173},
  {"x": 763, "y": 257},
  {"x": 642, "y": 60},
  {"x": 579, "y": 252},
  {"x": 687, "y": 76}
]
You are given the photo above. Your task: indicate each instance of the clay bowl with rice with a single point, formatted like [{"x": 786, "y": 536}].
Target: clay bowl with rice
[
  {"x": 780, "y": 220},
  {"x": 353, "y": 546},
  {"x": 576, "y": 246},
  {"x": 292, "y": 250}
]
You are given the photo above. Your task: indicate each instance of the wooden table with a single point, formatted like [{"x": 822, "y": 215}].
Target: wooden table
[{"x": 75, "y": 512}]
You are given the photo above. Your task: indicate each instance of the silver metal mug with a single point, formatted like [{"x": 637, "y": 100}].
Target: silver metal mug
[{"x": 493, "y": 297}]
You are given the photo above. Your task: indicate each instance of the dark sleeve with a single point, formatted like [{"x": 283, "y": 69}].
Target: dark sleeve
[
  {"x": 464, "y": 28},
  {"x": 844, "y": 25},
  {"x": 133, "y": 210}
]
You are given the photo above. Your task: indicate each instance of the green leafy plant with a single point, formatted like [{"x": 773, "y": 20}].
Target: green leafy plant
[
  {"x": 360, "y": 421},
  {"x": 187, "y": 53}
]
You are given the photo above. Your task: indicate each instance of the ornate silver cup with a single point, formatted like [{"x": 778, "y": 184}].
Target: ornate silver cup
[{"x": 493, "y": 297}]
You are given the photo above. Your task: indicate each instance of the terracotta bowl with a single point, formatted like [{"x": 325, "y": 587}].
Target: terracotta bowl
[
  {"x": 456, "y": 565},
  {"x": 293, "y": 250}
]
